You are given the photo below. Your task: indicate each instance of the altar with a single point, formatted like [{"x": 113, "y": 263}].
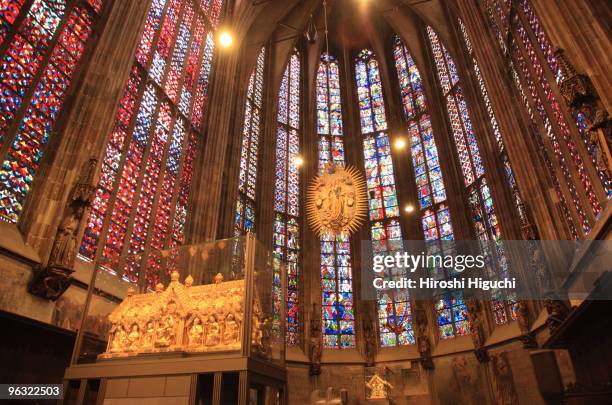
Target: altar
[{"x": 212, "y": 334}]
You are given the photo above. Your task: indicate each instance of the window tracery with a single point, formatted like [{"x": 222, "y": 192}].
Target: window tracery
[{"x": 43, "y": 47}]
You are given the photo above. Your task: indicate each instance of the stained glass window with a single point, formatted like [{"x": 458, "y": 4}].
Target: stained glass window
[
  {"x": 503, "y": 154},
  {"x": 249, "y": 153},
  {"x": 141, "y": 201},
  {"x": 393, "y": 306},
  {"x": 287, "y": 223},
  {"x": 480, "y": 200},
  {"x": 338, "y": 314},
  {"x": 42, "y": 43},
  {"x": 435, "y": 216},
  {"x": 329, "y": 112},
  {"x": 564, "y": 144}
]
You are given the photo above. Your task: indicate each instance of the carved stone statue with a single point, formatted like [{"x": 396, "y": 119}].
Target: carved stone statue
[
  {"x": 316, "y": 344},
  {"x": 581, "y": 96},
  {"x": 474, "y": 315},
  {"x": 557, "y": 312},
  {"x": 64, "y": 248},
  {"x": 505, "y": 392},
  {"x": 369, "y": 341},
  {"x": 422, "y": 338},
  {"x": 522, "y": 318},
  {"x": 51, "y": 281}
]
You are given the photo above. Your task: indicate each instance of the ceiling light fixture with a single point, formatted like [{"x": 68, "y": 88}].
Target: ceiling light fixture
[
  {"x": 225, "y": 39},
  {"x": 399, "y": 144}
]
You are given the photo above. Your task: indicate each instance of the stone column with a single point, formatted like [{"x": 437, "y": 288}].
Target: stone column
[
  {"x": 206, "y": 198},
  {"x": 232, "y": 165}
]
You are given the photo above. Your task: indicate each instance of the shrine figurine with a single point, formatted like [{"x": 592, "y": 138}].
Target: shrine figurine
[
  {"x": 167, "y": 333},
  {"x": 149, "y": 335},
  {"x": 195, "y": 332},
  {"x": 213, "y": 332},
  {"x": 232, "y": 330},
  {"x": 133, "y": 338},
  {"x": 119, "y": 337}
]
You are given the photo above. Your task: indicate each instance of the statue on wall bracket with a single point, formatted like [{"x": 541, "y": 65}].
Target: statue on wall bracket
[
  {"x": 53, "y": 280},
  {"x": 315, "y": 342},
  {"x": 476, "y": 321},
  {"x": 369, "y": 341},
  {"x": 581, "y": 96},
  {"x": 422, "y": 339}
]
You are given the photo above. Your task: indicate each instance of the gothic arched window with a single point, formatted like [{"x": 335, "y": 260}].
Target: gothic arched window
[
  {"x": 393, "y": 307},
  {"x": 287, "y": 223},
  {"x": 563, "y": 139},
  {"x": 480, "y": 199},
  {"x": 434, "y": 213},
  {"x": 336, "y": 273},
  {"x": 42, "y": 43},
  {"x": 141, "y": 199},
  {"x": 503, "y": 154},
  {"x": 247, "y": 180}
]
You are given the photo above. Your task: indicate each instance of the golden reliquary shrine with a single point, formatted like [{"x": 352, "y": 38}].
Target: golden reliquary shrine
[
  {"x": 213, "y": 331},
  {"x": 183, "y": 317}
]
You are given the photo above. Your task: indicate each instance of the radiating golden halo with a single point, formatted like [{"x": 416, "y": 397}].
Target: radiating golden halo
[{"x": 336, "y": 201}]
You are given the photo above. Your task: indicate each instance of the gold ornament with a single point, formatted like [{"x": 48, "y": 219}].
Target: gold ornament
[
  {"x": 378, "y": 387},
  {"x": 336, "y": 201},
  {"x": 184, "y": 318}
]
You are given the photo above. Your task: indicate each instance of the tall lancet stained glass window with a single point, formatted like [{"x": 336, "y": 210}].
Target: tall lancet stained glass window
[
  {"x": 249, "y": 153},
  {"x": 42, "y": 43},
  {"x": 561, "y": 133},
  {"x": 501, "y": 148},
  {"x": 480, "y": 199},
  {"x": 393, "y": 306},
  {"x": 142, "y": 195},
  {"x": 431, "y": 192},
  {"x": 501, "y": 33},
  {"x": 287, "y": 222},
  {"x": 338, "y": 315}
]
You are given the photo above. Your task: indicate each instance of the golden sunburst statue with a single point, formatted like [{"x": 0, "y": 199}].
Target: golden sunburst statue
[{"x": 336, "y": 202}]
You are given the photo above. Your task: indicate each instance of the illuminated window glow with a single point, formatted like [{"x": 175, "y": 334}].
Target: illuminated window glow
[
  {"x": 42, "y": 46},
  {"x": 141, "y": 201},
  {"x": 394, "y": 311},
  {"x": 338, "y": 313},
  {"x": 286, "y": 237},
  {"x": 249, "y": 154},
  {"x": 480, "y": 200},
  {"x": 435, "y": 216}
]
